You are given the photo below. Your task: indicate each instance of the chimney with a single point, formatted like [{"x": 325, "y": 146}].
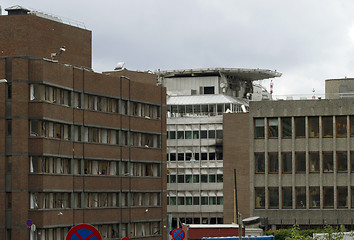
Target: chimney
[{"x": 17, "y": 10}]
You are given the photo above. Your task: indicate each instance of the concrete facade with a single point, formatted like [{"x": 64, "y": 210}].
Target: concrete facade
[
  {"x": 76, "y": 146},
  {"x": 301, "y": 161}
]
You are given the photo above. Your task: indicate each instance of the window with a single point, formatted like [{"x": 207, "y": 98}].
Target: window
[
  {"x": 328, "y": 197},
  {"x": 273, "y": 197},
  {"x": 341, "y": 126},
  {"x": 204, "y": 156},
  {"x": 212, "y": 200},
  {"x": 172, "y": 178},
  {"x": 287, "y": 197},
  {"x": 352, "y": 197},
  {"x": 204, "y": 178},
  {"x": 173, "y": 201},
  {"x": 189, "y": 201},
  {"x": 172, "y": 134},
  {"x": 286, "y": 127},
  {"x": 313, "y": 126},
  {"x": 195, "y": 178},
  {"x": 203, "y": 134},
  {"x": 314, "y": 160},
  {"x": 180, "y": 156},
  {"x": 180, "y": 134},
  {"x": 260, "y": 197},
  {"x": 300, "y": 127},
  {"x": 327, "y": 161},
  {"x": 220, "y": 200},
  {"x": 259, "y": 127},
  {"x": 195, "y": 134},
  {"x": 327, "y": 126},
  {"x": 188, "y": 134},
  {"x": 209, "y": 90},
  {"x": 172, "y": 156},
  {"x": 204, "y": 200},
  {"x": 286, "y": 162},
  {"x": 219, "y": 134},
  {"x": 211, "y": 134},
  {"x": 219, "y": 178},
  {"x": 352, "y": 125},
  {"x": 180, "y": 178},
  {"x": 259, "y": 162},
  {"x": 314, "y": 197},
  {"x": 195, "y": 200},
  {"x": 273, "y": 162},
  {"x": 342, "y": 197},
  {"x": 188, "y": 178},
  {"x": 300, "y": 162},
  {"x": 342, "y": 162},
  {"x": 300, "y": 197},
  {"x": 180, "y": 201},
  {"x": 273, "y": 127},
  {"x": 212, "y": 178}
]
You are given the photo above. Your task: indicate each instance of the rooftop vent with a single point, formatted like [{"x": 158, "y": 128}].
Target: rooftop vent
[{"x": 17, "y": 10}]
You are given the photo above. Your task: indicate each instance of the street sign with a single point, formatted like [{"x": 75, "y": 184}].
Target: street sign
[
  {"x": 125, "y": 238},
  {"x": 83, "y": 232},
  {"x": 178, "y": 234},
  {"x": 29, "y": 222}
]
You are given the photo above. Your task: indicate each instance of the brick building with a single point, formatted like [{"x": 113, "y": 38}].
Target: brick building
[{"x": 76, "y": 146}]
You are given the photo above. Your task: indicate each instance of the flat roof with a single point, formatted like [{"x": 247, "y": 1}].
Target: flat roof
[
  {"x": 240, "y": 73},
  {"x": 212, "y": 225},
  {"x": 204, "y": 99}
]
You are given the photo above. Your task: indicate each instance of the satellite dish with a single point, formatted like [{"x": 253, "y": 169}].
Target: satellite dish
[
  {"x": 251, "y": 220},
  {"x": 119, "y": 66}
]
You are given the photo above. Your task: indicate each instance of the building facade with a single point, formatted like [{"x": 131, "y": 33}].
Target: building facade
[
  {"x": 76, "y": 146},
  {"x": 301, "y": 159},
  {"x": 196, "y": 101}
]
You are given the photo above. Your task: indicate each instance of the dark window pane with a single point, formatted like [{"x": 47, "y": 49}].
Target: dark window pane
[
  {"x": 287, "y": 163},
  {"x": 300, "y": 195},
  {"x": 259, "y": 162},
  {"x": 188, "y": 134},
  {"x": 314, "y": 197},
  {"x": 313, "y": 126},
  {"x": 342, "y": 162},
  {"x": 204, "y": 156},
  {"x": 172, "y": 156},
  {"x": 328, "y": 162},
  {"x": 314, "y": 161},
  {"x": 300, "y": 127},
  {"x": 341, "y": 126},
  {"x": 180, "y": 178},
  {"x": 273, "y": 162},
  {"x": 180, "y": 134},
  {"x": 260, "y": 198},
  {"x": 203, "y": 134},
  {"x": 204, "y": 178},
  {"x": 273, "y": 197},
  {"x": 172, "y": 134},
  {"x": 211, "y": 133},
  {"x": 286, "y": 127},
  {"x": 219, "y": 134},
  {"x": 300, "y": 162},
  {"x": 342, "y": 197},
  {"x": 195, "y": 134},
  {"x": 180, "y": 156},
  {"x": 259, "y": 128},
  {"x": 287, "y": 197},
  {"x": 273, "y": 127},
  {"x": 327, "y": 125},
  {"x": 328, "y": 197}
]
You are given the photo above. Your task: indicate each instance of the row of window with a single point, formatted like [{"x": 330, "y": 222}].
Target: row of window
[
  {"x": 196, "y": 134},
  {"x": 194, "y": 201},
  {"x": 195, "y": 178},
  {"x": 107, "y": 231},
  {"x": 188, "y": 156},
  {"x": 40, "y": 92},
  {"x": 62, "y": 131},
  {"x": 314, "y": 161},
  {"x": 287, "y": 124},
  {"x": 314, "y": 196},
  {"x": 57, "y": 165},
  {"x": 63, "y": 200},
  {"x": 196, "y": 220},
  {"x": 202, "y": 109}
]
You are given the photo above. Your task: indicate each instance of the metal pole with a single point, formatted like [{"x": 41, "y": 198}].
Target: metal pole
[{"x": 236, "y": 196}]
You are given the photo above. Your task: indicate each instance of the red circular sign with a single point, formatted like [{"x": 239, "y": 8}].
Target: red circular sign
[
  {"x": 125, "y": 238},
  {"x": 178, "y": 234},
  {"x": 83, "y": 232}
]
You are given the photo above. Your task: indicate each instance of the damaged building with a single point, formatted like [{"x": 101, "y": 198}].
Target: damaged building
[{"x": 196, "y": 101}]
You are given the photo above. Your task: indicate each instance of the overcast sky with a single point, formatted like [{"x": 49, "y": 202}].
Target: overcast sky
[{"x": 306, "y": 40}]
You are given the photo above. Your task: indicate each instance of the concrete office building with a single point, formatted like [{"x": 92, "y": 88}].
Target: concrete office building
[
  {"x": 196, "y": 101},
  {"x": 76, "y": 146},
  {"x": 301, "y": 158}
]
